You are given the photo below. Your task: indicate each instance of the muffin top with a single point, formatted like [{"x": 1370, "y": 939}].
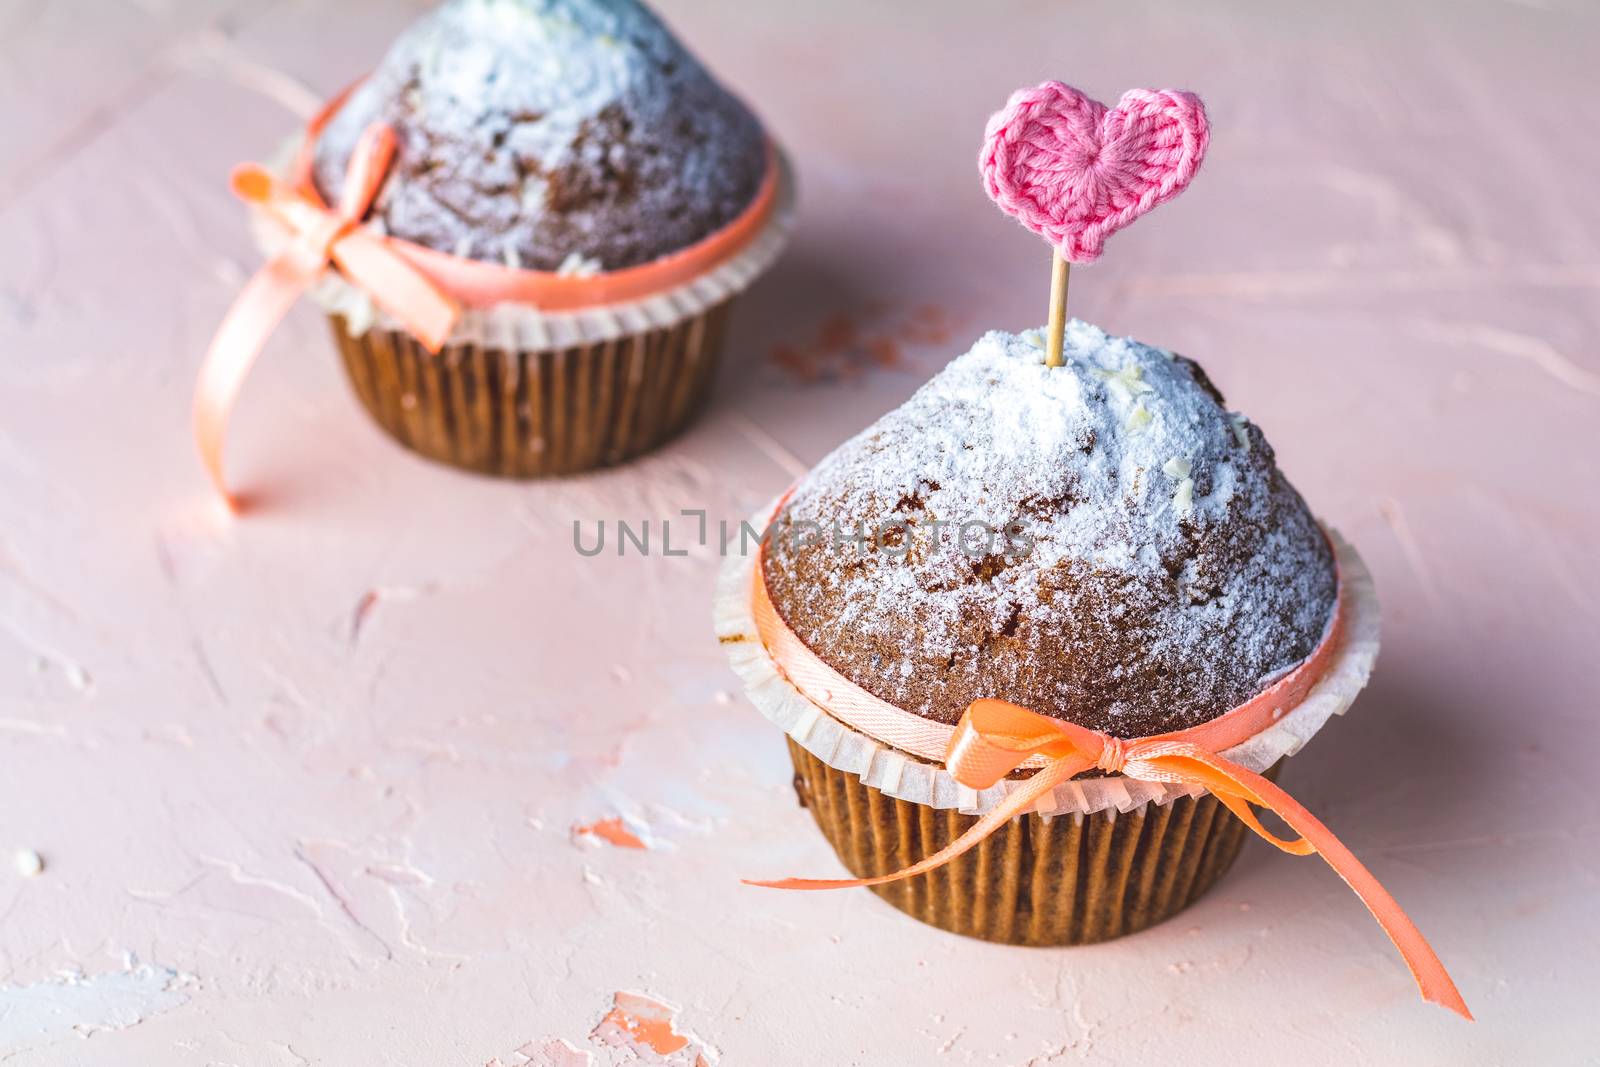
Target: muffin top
[
  {"x": 1103, "y": 542},
  {"x": 572, "y": 135}
]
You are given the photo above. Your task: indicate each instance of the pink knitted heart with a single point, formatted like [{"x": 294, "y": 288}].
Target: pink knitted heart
[{"x": 1074, "y": 172}]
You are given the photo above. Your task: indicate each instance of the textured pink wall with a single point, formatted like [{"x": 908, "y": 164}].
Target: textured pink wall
[{"x": 305, "y": 786}]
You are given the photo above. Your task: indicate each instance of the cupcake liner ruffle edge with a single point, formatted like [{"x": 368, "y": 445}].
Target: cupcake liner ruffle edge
[
  {"x": 906, "y": 777},
  {"x": 524, "y": 327}
]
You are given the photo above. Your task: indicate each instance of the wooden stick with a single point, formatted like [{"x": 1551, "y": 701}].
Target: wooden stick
[{"x": 1058, "y": 310}]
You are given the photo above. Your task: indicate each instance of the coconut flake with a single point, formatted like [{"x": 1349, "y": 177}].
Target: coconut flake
[
  {"x": 1138, "y": 418},
  {"x": 1183, "y": 497},
  {"x": 1238, "y": 423}
]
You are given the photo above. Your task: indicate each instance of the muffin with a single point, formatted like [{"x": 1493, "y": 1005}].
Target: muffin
[
  {"x": 591, "y": 196},
  {"x": 1104, "y": 543}
]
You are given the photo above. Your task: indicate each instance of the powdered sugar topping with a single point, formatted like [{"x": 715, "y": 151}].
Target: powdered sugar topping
[{"x": 531, "y": 130}]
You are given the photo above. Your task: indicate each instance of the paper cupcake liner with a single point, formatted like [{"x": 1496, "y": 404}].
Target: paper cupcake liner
[
  {"x": 522, "y": 392},
  {"x": 526, "y": 413},
  {"x": 1097, "y": 858},
  {"x": 1038, "y": 880},
  {"x": 902, "y": 776}
]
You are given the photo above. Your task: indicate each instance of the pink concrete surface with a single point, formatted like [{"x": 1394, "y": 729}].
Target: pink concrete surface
[{"x": 322, "y": 785}]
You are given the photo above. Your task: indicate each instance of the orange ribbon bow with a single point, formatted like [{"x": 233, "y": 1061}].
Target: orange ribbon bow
[
  {"x": 318, "y": 236},
  {"x": 995, "y": 737}
]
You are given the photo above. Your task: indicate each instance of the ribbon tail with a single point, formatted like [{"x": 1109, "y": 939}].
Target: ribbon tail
[
  {"x": 1018, "y": 801},
  {"x": 397, "y": 287},
  {"x": 1247, "y": 815},
  {"x": 262, "y": 304},
  {"x": 1238, "y": 787}
]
